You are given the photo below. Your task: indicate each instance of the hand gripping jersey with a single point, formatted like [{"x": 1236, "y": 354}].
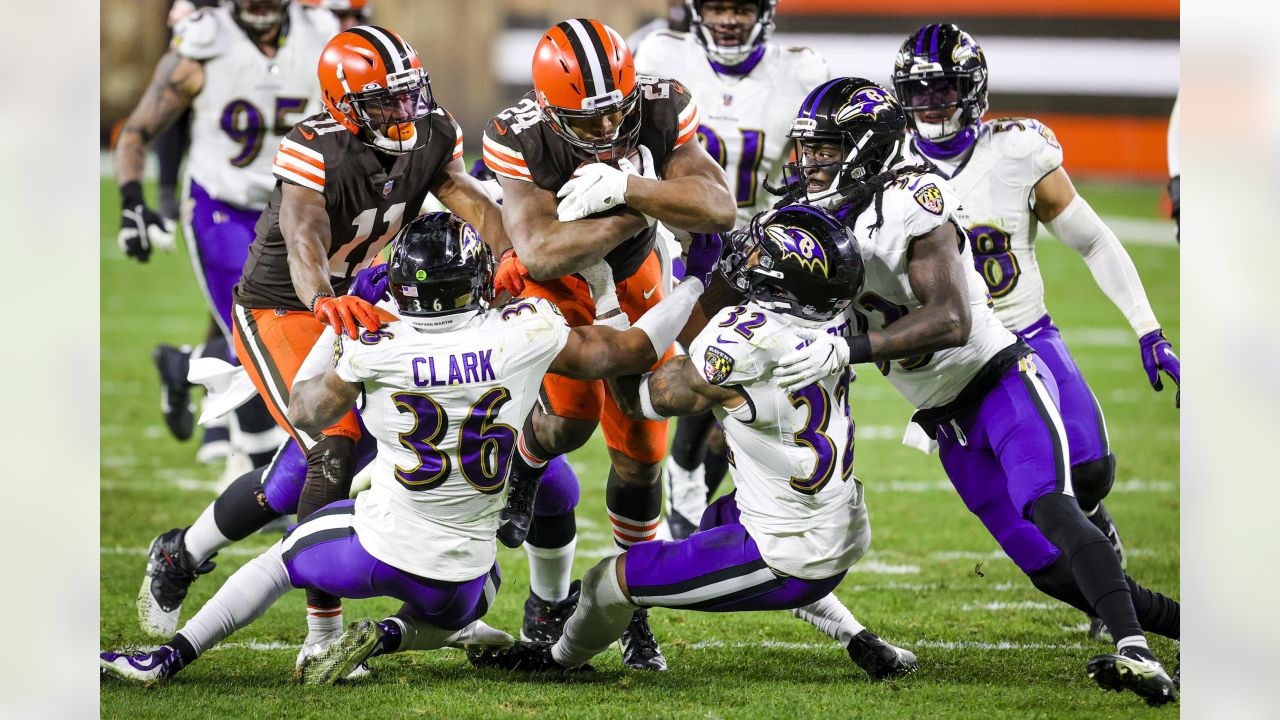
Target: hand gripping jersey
[
  {"x": 744, "y": 118},
  {"x": 519, "y": 145},
  {"x": 446, "y": 409},
  {"x": 791, "y": 454},
  {"x": 248, "y": 100},
  {"x": 995, "y": 183},
  {"x": 366, "y": 202},
  {"x": 913, "y": 206}
]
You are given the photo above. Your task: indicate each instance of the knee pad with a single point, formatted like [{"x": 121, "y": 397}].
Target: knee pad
[
  {"x": 559, "y": 492},
  {"x": 1092, "y": 481}
]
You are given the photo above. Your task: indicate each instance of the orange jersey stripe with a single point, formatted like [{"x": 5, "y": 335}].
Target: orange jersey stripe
[
  {"x": 500, "y": 153},
  {"x": 299, "y": 156},
  {"x": 300, "y": 172}
]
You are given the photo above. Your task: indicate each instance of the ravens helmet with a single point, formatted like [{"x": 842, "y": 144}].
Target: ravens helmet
[
  {"x": 848, "y": 130},
  {"x": 940, "y": 76},
  {"x": 752, "y": 39},
  {"x": 797, "y": 260},
  {"x": 439, "y": 266}
]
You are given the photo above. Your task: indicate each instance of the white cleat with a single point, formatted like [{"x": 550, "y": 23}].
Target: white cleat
[{"x": 479, "y": 636}]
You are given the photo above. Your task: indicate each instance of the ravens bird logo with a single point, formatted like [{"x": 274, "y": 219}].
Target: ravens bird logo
[{"x": 799, "y": 245}]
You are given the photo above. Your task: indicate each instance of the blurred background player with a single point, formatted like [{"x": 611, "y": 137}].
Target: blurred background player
[
  {"x": 748, "y": 90},
  {"x": 587, "y": 162},
  {"x": 245, "y": 72},
  {"x": 1175, "y": 168},
  {"x": 1008, "y": 175},
  {"x": 350, "y": 13}
]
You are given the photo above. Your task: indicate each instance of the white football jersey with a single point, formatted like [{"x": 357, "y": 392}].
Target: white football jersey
[
  {"x": 791, "y": 454},
  {"x": 744, "y": 118},
  {"x": 913, "y": 206},
  {"x": 248, "y": 101},
  {"x": 995, "y": 184},
  {"x": 446, "y": 409}
]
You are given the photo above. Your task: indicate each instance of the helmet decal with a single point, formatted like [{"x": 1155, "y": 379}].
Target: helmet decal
[
  {"x": 470, "y": 240},
  {"x": 866, "y": 104},
  {"x": 800, "y": 245},
  {"x": 965, "y": 50}
]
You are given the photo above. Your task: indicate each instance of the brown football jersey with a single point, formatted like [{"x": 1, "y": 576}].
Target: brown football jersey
[
  {"x": 366, "y": 202},
  {"x": 520, "y": 145}
]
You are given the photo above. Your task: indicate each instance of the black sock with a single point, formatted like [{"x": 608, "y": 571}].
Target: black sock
[
  {"x": 1157, "y": 613},
  {"x": 185, "y": 649},
  {"x": 634, "y": 511},
  {"x": 689, "y": 446},
  {"x": 1092, "y": 561},
  {"x": 390, "y": 640},
  {"x": 552, "y": 531},
  {"x": 242, "y": 509},
  {"x": 716, "y": 466},
  {"x": 255, "y": 422},
  {"x": 329, "y": 469}
]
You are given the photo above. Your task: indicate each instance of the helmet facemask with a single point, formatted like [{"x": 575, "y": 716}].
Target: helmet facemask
[
  {"x": 939, "y": 105},
  {"x": 259, "y": 16},
  {"x": 848, "y": 164},
  {"x": 731, "y": 55},
  {"x": 387, "y": 116},
  {"x": 605, "y": 129}
]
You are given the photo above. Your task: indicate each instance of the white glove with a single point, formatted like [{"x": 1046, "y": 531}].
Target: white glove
[
  {"x": 826, "y": 354},
  {"x": 598, "y": 187}
]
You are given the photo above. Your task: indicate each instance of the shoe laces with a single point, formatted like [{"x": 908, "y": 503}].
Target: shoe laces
[{"x": 640, "y": 634}]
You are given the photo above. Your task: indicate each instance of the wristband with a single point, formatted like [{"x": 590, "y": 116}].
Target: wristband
[
  {"x": 131, "y": 194},
  {"x": 646, "y": 403},
  {"x": 859, "y": 349},
  {"x": 311, "y": 306}
]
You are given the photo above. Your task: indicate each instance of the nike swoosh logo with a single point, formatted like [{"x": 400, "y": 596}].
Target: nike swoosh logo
[
  {"x": 306, "y": 134},
  {"x": 649, "y": 293},
  {"x": 721, "y": 339},
  {"x": 501, "y": 130}
]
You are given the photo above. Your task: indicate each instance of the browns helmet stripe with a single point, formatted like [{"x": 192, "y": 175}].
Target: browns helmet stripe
[
  {"x": 593, "y": 62},
  {"x": 389, "y": 48}
]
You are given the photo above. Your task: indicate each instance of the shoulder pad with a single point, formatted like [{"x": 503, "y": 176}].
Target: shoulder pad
[
  {"x": 926, "y": 200},
  {"x": 809, "y": 68},
  {"x": 200, "y": 35},
  {"x": 535, "y": 310},
  {"x": 1027, "y": 139},
  {"x": 321, "y": 19},
  {"x": 736, "y": 345},
  {"x": 501, "y": 149}
]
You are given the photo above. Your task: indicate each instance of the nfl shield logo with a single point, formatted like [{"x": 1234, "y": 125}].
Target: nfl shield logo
[
  {"x": 386, "y": 189},
  {"x": 728, "y": 100}
]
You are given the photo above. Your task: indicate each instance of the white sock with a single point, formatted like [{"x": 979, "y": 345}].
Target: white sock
[
  {"x": 1132, "y": 641},
  {"x": 831, "y": 617},
  {"x": 203, "y": 538},
  {"x": 602, "y": 615},
  {"x": 323, "y": 624},
  {"x": 418, "y": 634},
  {"x": 687, "y": 490},
  {"x": 241, "y": 600},
  {"x": 550, "y": 570}
]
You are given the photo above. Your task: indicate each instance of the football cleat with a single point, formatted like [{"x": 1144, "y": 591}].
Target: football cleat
[
  {"x": 1134, "y": 669},
  {"x": 686, "y": 492},
  {"x": 175, "y": 391},
  {"x": 544, "y": 621},
  {"x": 640, "y": 650},
  {"x": 1101, "y": 519},
  {"x": 479, "y": 636},
  {"x": 534, "y": 657},
  {"x": 148, "y": 668},
  {"x": 343, "y": 658},
  {"x": 170, "y": 571},
  {"x": 517, "y": 515},
  {"x": 880, "y": 659},
  {"x": 1098, "y": 630}
]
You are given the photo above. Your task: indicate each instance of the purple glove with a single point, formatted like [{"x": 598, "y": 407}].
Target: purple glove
[
  {"x": 703, "y": 257},
  {"x": 1157, "y": 356},
  {"x": 371, "y": 284}
]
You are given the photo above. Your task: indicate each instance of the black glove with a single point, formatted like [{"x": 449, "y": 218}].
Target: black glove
[{"x": 141, "y": 228}]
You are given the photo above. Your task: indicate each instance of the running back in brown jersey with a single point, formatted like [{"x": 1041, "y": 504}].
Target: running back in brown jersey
[{"x": 366, "y": 201}]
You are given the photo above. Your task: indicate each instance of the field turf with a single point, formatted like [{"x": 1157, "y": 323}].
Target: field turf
[{"x": 990, "y": 646}]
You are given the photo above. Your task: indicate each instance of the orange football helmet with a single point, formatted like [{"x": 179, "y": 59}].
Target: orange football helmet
[
  {"x": 585, "y": 82},
  {"x": 373, "y": 84}
]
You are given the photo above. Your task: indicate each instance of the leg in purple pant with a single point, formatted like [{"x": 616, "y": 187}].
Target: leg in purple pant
[{"x": 218, "y": 237}]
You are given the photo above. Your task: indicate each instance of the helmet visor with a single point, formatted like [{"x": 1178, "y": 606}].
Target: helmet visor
[{"x": 382, "y": 108}]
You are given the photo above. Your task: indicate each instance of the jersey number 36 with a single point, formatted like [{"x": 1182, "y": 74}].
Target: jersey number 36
[{"x": 484, "y": 446}]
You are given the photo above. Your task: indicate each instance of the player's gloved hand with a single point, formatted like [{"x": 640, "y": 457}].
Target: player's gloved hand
[
  {"x": 510, "y": 274},
  {"x": 141, "y": 228},
  {"x": 346, "y": 314},
  {"x": 371, "y": 284},
  {"x": 824, "y": 354},
  {"x": 1158, "y": 357},
  {"x": 593, "y": 188},
  {"x": 704, "y": 257}
]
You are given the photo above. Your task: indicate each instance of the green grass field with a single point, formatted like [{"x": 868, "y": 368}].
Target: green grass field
[{"x": 990, "y": 646}]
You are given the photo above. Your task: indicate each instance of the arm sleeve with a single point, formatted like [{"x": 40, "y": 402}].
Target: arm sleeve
[
  {"x": 1080, "y": 227},
  {"x": 663, "y": 322}
]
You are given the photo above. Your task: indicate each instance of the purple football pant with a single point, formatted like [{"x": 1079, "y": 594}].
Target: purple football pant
[
  {"x": 283, "y": 479},
  {"x": 1011, "y": 450},
  {"x": 559, "y": 492},
  {"x": 1086, "y": 427},
  {"x": 218, "y": 237},
  {"x": 717, "y": 569},
  {"x": 324, "y": 553}
]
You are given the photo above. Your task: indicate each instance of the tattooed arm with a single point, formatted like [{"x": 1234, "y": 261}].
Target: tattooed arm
[
  {"x": 675, "y": 388},
  {"x": 176, "y": 82},
  {"x": 938, "y": 278}
]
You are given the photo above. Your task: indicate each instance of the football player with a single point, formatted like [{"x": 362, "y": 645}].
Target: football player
[
  {"x": 784, "y": 539},
  {"x": 1008, "y": 175},
  {"x": 748, "y": 89},
  {"x": 587, "y": 162},
  {"x": 245, "y": 73},
  {"x": 985, "y": 395},
  {"x": 446, "y": 385},
  {"x": 350, "y": 13}
]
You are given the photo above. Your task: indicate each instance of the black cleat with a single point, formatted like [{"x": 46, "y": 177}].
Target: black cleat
[
  {"x": 1101, "y": 519},
  {"x": 175, "y": 391},
  {"x": 1098, "y": 630},
  {"x": 170, "y": 571},
  {"x": 533, "y": 657},
  {"x": 1134, "y": 669},
  {"x": 640, "y": 650},
  {"x": 880, "y": 659},
  {"x": 544, "y": 621},
  {"x": 517, "y": 515}
]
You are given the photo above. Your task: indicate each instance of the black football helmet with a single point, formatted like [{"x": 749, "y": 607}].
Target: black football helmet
[
  {"x": 731, "y": 55},
  {"x": 860, "y": 118},
  {"x": 941, "y": 68},
  {"x": 439, "y": 266},
  {"x": 797, "y": 260}
]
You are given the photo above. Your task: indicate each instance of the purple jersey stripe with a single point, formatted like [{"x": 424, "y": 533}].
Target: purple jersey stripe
[{"x": 933, "y": 44}]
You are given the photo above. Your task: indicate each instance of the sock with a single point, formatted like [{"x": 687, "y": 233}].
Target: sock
[
  {"x": 689, "y": 445},
  {"x": 243, "y": 598},
  {"x": 687, "y": 491},
  {"x": 1134, "y": 641},
  {"x": 831, "y": 617},
  {"x": 203, "y": 538},
  {"x": 716, "y": 467},
  {"x": 634, "y": 512},
  {"x": 237, "y": 513},
  {"x": 330, "y": 463},
  {"x": 1157, "y": 613},
  {"x": 603, "y": 613},
  {"x": 392, "y": 636},
  {"x": 255, "y": 433},
  {"x": 184, "y": 649},
  {"x": 323, "y": 622},
  {"x": 550, "y": 570}
]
